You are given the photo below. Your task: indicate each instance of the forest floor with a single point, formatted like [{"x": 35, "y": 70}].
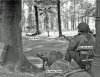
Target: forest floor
[{"x": 39, "y": 44}]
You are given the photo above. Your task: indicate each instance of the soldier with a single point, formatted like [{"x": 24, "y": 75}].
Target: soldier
[{"x": 72, "y": 51}]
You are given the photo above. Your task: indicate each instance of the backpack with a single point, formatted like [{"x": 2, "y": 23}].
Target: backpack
[
  {"x": 87, "y": 43},
  {"x": 86, "y": 47}
]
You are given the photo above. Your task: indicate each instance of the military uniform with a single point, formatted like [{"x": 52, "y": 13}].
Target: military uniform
[{"x": 72, "y": 49}]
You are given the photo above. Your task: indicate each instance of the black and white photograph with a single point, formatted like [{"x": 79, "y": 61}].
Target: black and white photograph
[{"x": 49, "y": 38}]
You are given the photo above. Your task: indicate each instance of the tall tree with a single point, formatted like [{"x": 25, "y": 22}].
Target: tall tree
[
  {"x": 1, "y": 9},
  {"x": 96, "y": 62},
  {"x": 59, "y": 18},
  {"x": 45, "y": 11},
  {"x": 74, "y": 12},
  {"x": 11, "y": 34},
  {"x": 30, "y": 14},
  {"x": 37, "y": 20},
  {"x": 29, "y": 3},
  {"x": 52, "y": 21}
]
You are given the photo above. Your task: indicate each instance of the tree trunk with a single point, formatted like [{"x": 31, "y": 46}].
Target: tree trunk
[
  {"x": 59, "y": 18},
  {"x": 67, "y": 24},
  {"x": 78, "y": 18},
  {"x": 88, "y": 19},
  {"x": 47, "y": 24},
  {"x": 96, "y": 62},
  {"x": 52, "y": 22},
  {"x": 30, "y": 16},
  {"x": 11, "y": 34},
  {"x": 44, "y": 24},
  {"x": 36, "y": 19},
  {"x": 23, "y": 17},
  {"x": 85, "y": 19},
  {"x": 74, "y": 18},
  {"x": 82, "y": 19},
  {"x": 72, "y": 23},
  {"x": 1, "y": 9}
]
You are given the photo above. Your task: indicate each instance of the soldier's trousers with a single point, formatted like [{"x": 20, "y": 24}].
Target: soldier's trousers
[{"x": 76, "y": 57}]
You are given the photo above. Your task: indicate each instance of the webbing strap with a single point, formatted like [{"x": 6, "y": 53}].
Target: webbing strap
[{"x": 88, "y": 60}]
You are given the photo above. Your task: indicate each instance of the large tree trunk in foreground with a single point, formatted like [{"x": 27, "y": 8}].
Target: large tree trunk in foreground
[
  {"x": 59, "y": 18},
  {"x": 96, "y": 62},
  {"x": 11, "y": 34},
  {"x": 1, "y": 9}
]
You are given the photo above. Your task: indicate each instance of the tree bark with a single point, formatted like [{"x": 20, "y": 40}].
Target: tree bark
[
  {"x": 30, "y": 16},
  {"x": 52, "y": 22},
  {"x": 74, "y": 18},
  {"x": 59, "y": 18},
  {"x": 11, "y": 34},
  {"x": 72, "y": 23},
  {"x": 88, "y": 19},
  {"x": 96, "y": 62},
  {"x": 78, "y": 18},
  {"x": 67, "y": 23},
  {"x": 82, "y": 19},
  {"x": 36, "y": 19},
  {"x": 1, "y": 9},
  {"x": 47, "y": 24}
]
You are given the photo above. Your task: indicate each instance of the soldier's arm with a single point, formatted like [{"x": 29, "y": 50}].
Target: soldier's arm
[
  {"x": 71, "y": 48},
  {"x": 73, "y": 43}
]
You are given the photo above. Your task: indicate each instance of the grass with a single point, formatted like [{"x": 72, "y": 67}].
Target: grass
[
  {"x": 5, "y": 73},
  {"x": 32, "y": 47}
]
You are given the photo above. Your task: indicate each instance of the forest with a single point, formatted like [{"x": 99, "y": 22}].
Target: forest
[{"x": 29, "y": 28}]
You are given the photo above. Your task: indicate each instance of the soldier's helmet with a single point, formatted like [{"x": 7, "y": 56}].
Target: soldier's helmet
[{"x": 83, "y": 27}]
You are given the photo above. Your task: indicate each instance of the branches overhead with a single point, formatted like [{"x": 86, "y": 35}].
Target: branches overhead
[
  {"x": 82, "y": 7},
  {"x": 70, "y": 9}
]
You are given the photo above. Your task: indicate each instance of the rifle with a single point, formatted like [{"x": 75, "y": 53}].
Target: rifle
[
  {"x": 68, "y": 38},
  {"x": 44, "y": 59}
]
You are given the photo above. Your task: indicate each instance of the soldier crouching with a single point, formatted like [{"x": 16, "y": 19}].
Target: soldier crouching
[{"x": 83, "y": 39}]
